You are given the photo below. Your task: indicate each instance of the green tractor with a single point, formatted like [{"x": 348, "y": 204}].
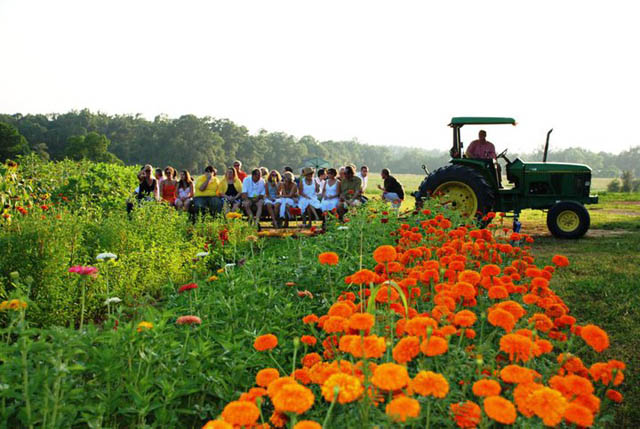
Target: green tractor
[{"x": 473, "y": 186}]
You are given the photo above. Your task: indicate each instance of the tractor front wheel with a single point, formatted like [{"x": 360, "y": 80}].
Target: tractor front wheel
[
  {"x": 461, "y": 188},
  {"x": 568, "y": 219}
]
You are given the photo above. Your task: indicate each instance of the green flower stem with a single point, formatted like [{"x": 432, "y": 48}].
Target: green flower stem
[
  {"x": 25, "y": 373},
  {"x": 336, "y": 390},
  {"x": 276, "y": 362},
  {"x": 428, "y": 414},
  {"x": 82, "y": 304}
]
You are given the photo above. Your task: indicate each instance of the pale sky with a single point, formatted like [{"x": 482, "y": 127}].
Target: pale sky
[{"x": 387, "y": 73}]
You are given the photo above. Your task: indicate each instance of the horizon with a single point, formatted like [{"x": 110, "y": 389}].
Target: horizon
[
  {"x": 298, "y": 137},
  {"x": 384, "y": 75}
]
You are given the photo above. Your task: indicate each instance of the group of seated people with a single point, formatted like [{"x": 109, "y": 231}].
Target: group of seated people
[{"x": 312, "y": 193}]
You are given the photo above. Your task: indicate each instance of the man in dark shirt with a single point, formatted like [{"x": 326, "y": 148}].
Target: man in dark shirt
[{"x": 392, "y": 189}]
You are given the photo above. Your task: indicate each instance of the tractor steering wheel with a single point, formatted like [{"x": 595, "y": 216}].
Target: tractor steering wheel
[{"x": 503, "y": 154}]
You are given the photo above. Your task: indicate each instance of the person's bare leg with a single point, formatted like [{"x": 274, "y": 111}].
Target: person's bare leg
[
  {"x": 315, "y": 213},
  {"x": 274, "y": 220},
  {"x": 179, "y": 204},
  {"x": 247, "y": 209},
  {"x": 259, "y": 205},
  {"x": 277, "y": 213}
]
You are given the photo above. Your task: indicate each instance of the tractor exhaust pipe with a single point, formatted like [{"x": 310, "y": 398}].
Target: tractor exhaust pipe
[{"x": 546, "y": 146}]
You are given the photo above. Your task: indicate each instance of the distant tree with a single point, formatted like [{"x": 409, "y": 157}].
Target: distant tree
[
  {"x": 12, "y": 143},
  {"x": 627, "y": 181},
  {"x": 614, "y": 186},
  {"x": 93, "y": 147},
  {"x": 41, "y": 150}
]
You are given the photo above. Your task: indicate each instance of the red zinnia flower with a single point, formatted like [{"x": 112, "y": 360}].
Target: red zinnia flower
[{"x": 188, "y": 286}]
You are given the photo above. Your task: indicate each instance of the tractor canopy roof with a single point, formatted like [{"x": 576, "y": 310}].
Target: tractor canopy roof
[{"x": 472, "y": 120}]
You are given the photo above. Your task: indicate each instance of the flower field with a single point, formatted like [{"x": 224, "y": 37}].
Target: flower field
[{"x": 419, "y": 321}]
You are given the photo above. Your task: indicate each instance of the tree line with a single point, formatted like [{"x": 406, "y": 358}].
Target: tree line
[{"x": 191, "y": 142}]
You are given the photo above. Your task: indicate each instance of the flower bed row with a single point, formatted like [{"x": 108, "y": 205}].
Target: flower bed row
[{"x": 454, "y": 326}]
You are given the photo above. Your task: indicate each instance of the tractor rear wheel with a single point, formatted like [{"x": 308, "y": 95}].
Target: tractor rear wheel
[
  {"x": 462, "y": 188},
  {"x": 568, "y": 219}
]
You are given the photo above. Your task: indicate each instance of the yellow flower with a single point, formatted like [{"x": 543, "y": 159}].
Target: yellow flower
[
  {"x": 14, "y": 304},
  {"x": 214, "y": 278},
  {"x": 251, "y": 238},
  {"x": 220, "y": 271},
  {"x": 233, "y": 215},
  {"x": 144, "y": 325}
]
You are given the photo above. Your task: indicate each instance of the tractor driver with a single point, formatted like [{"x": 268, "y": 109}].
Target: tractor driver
[
  {"x": 484, "y": 149},
  {"x": 481, "y": 148}
]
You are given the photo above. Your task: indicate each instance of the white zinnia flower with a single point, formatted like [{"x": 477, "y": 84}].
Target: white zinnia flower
[
  {"x": 342, "y": 228},
  {"x": 202, "y": 254},
  {"x": 112, "y": 300},
  {"x": 103, "y": 256}
]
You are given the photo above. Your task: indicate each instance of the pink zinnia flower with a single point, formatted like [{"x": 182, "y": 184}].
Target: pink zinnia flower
[
  {"x": 188, "y": 286},
  {"x": 84, "y": 271},
  {"x": 188, "y": 320}
]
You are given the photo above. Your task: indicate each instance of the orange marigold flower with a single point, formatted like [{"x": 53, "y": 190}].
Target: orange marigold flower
[
  {"x": 350, "y": 388},
  {"x": 466, "y": 414},
  {"x": 486, "y": 388},
  {"x": 293, "y": 398},
  {"x": 278, "y": 419},
  {"x": 548, "y": 404},
  {"x": 502, "y": 318},
  {"x": 520, "y": 395},
  {"x": 265, "y": 342},
  {"x": 363, "y": 277},
  {"x": 595, "y": 337},
  {"x": 266, "y": 376},
  {"x": 406, "y": 349},
  {"x": 311, "y": 359},
  {"x": 361, "y": 321},
  {"x": 217, "y": 424},
  {"x": 578, "y": 415},
  {"x": 512, "y": 307},
  {"x": 464, "y": 289},
  {"x": 241, "y": 413},
  {"x": 469, "y": 276},
  {"x": 341, "y": 309},
  {"x": 500, "y": 409},
  {"x": 307, "y": 424},
  {"x": 335, "y": 324},
  {"x": 308, "y": 340},
  {"x": 541, "y": 322},
  {"x": 310, "y": 319},
  {"x": 402, "y": 408},
  {"x": 373, "y": 347},
  {"x": 427, "y": 383},
  {"x": 387, "y": 294},
  {"x": 560, "y": 260},
  {"x": 498, "y": 292},
  {"x": 328, "y": 258},
  {"x": 490, "y": 270},
  {"x": 390, "y": 376},
  {"x": 464, "y": 318},
  {"x": 518, "y": 374},
  {"x": 603, "y": 372},
  {"x": 418, "y": 326},
  {"x": 276, "y": 385},
  {"x": 302, "y": 375},
  {"x": 614, "y": 395},
  {"x": 518, "y": 347},
  {"x": 434, "y": 346},
  {"x": 384, "y": 254}
]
